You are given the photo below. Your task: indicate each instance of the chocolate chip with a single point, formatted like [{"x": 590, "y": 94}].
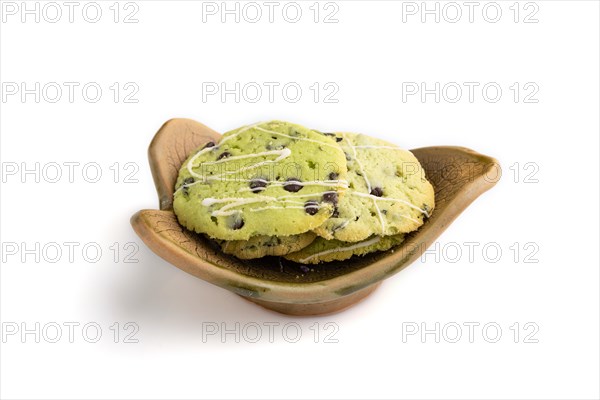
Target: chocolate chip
[
  {"x": 339, "y": 139},
  {"x": 236, "y": 222},
  {"x": 333, "y": 176},
  {"x": 224, "y": 154},
  {"x": 209, "y": 144},
  {"x": 377, "y": 191},
  {"x": 328, "y": 134},
  {"x": 336, "y": 213},
  {"x": 330, "y": 197},
  {"x": 186, "y": 182},
  {"x": 311, "y": 207},
  {"x": 293, "y": 185},
  {"x": 258, "y": 185}
]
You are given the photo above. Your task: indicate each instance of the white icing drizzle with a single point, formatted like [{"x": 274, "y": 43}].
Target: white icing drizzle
[
  {"x": 234, "y": 202},
  {"x": 283, "y": 153},
  {"x": 187, "y": 185},
  {"x": 369, "y": 188},
  {"x": 210, "y": 178},
  {"x": 209, "y": 201},
  {"x": 340, "y": 249},
  {"x": 299, "y": 138},
  {"x": 342, "y": 226},
  {"x": 207, "y": 149},
  {"x": 390, "y": 199},
  {"x": 306, "y": 195},
  {"x": 277, "y": 208}
]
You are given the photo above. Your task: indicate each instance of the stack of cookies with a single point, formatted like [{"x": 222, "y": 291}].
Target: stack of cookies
[{"x": 280, "y": 189}]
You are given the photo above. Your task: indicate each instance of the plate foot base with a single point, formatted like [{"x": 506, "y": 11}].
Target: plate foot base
[{"x": 328, "y": 307}]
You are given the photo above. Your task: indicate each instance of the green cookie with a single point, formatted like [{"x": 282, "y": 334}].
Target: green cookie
[
  {"x": 388, "y": 193},
  {"x": 261, "y": 246},
  {"x": 273, "y": 178},
  {"x": 322, "y": 250}
]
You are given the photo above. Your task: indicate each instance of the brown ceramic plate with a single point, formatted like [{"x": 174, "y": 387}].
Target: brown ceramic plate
[{"x": 459, "y": 176}]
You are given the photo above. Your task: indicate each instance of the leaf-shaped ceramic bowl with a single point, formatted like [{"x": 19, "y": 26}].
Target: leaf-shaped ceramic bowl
[{"x": 459, "y": 176}]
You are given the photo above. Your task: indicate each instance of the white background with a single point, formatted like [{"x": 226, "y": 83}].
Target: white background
[{"x": 368, "y": 54}]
